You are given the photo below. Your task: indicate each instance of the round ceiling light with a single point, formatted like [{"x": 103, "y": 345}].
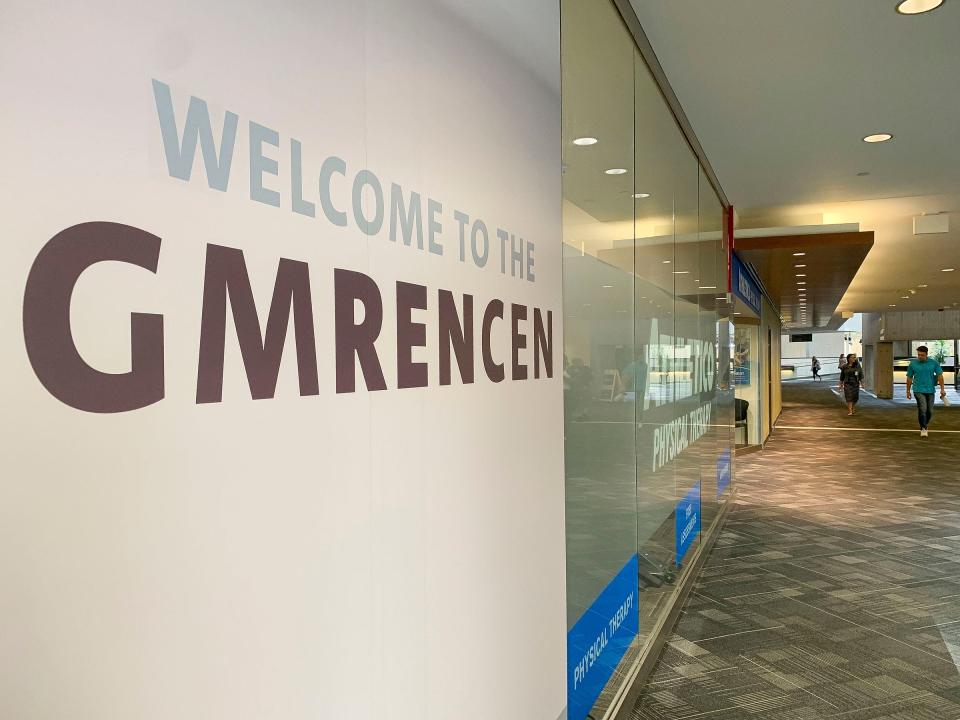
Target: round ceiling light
[
  {"x": 917, "y": 7},
  {"x": 585, "y": 141},
  {"x": 615, "y": 171},
  {"x": 878, "y": 138}
]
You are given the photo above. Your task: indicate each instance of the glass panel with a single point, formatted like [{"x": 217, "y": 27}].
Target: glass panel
[
  {"x": 600, "y": 375},
  {"x": 712, "y": 278},
  {"x": 667, "y": 266},
  {"x": 647, "y": 338},
  {"x": 746, "y": 375}
]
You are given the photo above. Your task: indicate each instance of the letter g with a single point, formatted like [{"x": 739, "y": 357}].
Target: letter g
[{"x": 46, "y": 320}]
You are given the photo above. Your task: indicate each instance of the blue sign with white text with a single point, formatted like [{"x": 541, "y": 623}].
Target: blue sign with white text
[
  {"x": 744, "y": 286},
  {"x": 687, "y": 521},
  {"x": 741, "y": 375},
  {"x": 599, "y": 639},
  {"x": 723, "y": 472}
]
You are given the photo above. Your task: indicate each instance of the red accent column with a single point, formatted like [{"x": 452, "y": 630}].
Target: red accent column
[{"x": 728, "y": 232}]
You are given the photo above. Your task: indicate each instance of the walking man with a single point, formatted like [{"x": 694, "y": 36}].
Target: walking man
[{"x": 922, "y": 374}]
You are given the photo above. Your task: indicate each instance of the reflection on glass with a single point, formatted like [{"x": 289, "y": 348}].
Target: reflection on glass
[{"x": 647, "y": 334}]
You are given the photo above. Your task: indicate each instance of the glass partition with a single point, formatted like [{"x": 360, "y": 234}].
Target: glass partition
[{"x": 647, "y": 352}]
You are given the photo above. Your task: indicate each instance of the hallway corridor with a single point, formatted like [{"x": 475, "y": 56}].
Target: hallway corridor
[{"x": 834, "y": 590}]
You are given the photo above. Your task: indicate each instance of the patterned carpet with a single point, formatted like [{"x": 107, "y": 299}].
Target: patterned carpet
[{"x": 834, "y": 590}]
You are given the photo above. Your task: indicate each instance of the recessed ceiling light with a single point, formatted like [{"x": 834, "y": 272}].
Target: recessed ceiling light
[
  {"x": 681, "y": 272},
  {"x": 878, "y": 138},
  {"x": 799, "y": 254},
  {"x": 666, "y": 262},
  {"x": 608, "y": 286},
  {"x": 640, "y": 196},
  {"x": 707, "y": 287},
  {"x": 722, "y": 297},
  {"x": 737, "y": 313},
  {"x": 615, "y": 171},
  {"x": 801, "y": 275},
  {"x": 948, "y": 269},
  {"x": 585, "y": 141},
  {"x": 904, "y": 297},
  {"x": 799, "y": 266},
  {"x": 923, "y": 286},
  {"x": 917, "y": 7},
  {"x": 801, "y": 282},
  {"x": 891, "y": 305}
]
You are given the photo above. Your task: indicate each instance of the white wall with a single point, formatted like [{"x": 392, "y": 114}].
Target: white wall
[
  {"x": 826, "y": 346},
  {"x": 392, "y": 554}
]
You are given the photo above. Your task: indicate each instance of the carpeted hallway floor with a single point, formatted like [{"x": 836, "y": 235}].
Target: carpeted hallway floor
[{"x": 834, "y": 590}]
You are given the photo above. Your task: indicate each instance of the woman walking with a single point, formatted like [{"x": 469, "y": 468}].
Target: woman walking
[
  {"x": 851, "y": 375},
  {"x": 815, "y": 367}
]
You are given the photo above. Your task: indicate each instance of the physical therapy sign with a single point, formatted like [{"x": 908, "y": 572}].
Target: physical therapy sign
[{"x": 283, "y": 413}]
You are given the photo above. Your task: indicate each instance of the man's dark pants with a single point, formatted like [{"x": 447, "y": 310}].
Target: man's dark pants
[{"x": 924, "y": 408}]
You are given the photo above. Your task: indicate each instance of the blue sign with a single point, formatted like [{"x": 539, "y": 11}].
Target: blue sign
[
  {"x": 741, "y": 375},
  {"x": 744, "y": 286},
  {"x": 687, "y": 521},
  {"x": 723, "y": 472},
  {"x": 596, "y": 644}
]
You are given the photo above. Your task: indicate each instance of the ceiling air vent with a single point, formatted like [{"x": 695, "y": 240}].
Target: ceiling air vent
[{"x": 931, "y": 224}]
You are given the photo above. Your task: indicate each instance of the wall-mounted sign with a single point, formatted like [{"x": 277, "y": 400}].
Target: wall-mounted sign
[
  {"x": 687, "y": 525},
  {"x": 599, "y": 639},
  {"x": 744, "y": 286}
]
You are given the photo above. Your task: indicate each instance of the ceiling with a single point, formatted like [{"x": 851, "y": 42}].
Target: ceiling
[
  {"x": 780, "y": 94},
  {"x": 808, "y": 273}
]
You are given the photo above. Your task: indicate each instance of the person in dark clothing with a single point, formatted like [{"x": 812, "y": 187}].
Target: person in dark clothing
[
  {"x": 851, "y": 375},
  {"x": 842, "y": 361},
  {"x": 815, "y": 367}
]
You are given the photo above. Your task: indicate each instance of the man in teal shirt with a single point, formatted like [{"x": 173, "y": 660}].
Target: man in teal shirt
[{"x": 922, "y": 374}]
